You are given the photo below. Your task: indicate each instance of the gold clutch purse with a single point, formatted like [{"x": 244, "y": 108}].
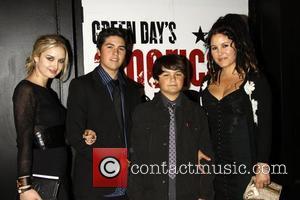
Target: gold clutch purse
[{"x": 270, "y": 192}]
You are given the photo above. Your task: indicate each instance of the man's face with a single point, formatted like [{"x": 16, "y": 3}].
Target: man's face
[
  {"x": 171, "y": 83},
  {"x": 112, "y": 54}
]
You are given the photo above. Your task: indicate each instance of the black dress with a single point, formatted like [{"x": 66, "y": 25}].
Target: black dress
[
  {"x": 38, "y": 108},
  {"x": 234, "y": 130}
]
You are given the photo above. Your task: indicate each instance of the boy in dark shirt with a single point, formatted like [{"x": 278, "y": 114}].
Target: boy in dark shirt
[{"x": 168, "y": 137}]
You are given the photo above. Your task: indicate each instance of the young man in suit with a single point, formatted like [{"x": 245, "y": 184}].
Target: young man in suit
[
  {"x": 92, "y": 106},
  {"x": 169, "y": 134}
]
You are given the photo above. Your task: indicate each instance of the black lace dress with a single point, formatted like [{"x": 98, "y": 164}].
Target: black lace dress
[
  {"x": 38, "y": 109},
  {"x": 240, "y": 130},
  {"x": 228, "y": 121}
]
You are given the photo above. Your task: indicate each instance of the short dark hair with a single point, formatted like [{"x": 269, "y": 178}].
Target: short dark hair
[
  {"x": 173, "y": 62},
  {"x": 107, "y": 32}
]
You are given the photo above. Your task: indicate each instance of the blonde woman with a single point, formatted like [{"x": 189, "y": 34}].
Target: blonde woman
[{"x": 40, "y": 118}]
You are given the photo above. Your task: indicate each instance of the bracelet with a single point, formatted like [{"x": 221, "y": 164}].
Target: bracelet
[
  {"x": 24, "y": 189},
  {"x": 23, "y": 181}
]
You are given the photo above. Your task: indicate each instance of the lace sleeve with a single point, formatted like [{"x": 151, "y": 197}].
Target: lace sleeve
[
  {"x": 263, "y": 96},
  {"x": 24, "y": 104}
]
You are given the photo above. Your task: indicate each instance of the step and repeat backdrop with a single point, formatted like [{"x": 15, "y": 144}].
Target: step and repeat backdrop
[{"x": 159, "y": 27}]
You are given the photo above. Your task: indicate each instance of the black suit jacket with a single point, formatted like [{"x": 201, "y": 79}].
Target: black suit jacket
[
  {"x": 90, "y": 107},
  {"x": 150, "y": 144}
]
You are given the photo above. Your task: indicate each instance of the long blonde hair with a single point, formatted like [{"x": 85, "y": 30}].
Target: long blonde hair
[{"x": 42, "y": 44}]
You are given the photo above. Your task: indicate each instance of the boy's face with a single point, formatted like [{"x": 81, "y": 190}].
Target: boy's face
[
  {"x": 171, "y": 83},
  {"x": 112, "y": 54}
]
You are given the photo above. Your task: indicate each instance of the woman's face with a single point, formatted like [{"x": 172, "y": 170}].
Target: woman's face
[
  {"x": 50, "y": 63},
  {"x": 223, "y": 51}
]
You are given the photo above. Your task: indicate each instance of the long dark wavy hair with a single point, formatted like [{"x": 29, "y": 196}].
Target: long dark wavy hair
[{"x": 235, "y": 27}]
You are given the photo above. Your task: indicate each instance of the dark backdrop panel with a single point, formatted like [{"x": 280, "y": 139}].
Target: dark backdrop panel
[
  {"x": 290, "y": 79},
  {"x": 21, "y": 22},
  {"x": 274, "y": 26}
]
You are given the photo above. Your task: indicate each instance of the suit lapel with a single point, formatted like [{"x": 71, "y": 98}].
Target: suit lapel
[
  {"x": 103, "y": 95},
  {"x": 182, "y": 116},
  {"x": 127, "y": 106},
  {"x": 100, "y": 88},
  {"x": 179, "y": 119}
]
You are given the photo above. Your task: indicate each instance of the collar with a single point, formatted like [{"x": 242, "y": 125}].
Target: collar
[
  {"x": 166, "y": 101},
  {"x": 106, "y": 79}
]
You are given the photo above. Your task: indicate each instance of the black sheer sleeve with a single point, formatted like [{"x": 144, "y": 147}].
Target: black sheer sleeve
[
  {"x": 263, "y": 134},
  {"x": 24, "y": 103}
]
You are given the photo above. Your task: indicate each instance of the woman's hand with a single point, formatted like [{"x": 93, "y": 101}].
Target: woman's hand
[
  {"x": 89, "y": 137},
  {"x": 30, "y": 195},
  {"x": 262, "y": 177}
]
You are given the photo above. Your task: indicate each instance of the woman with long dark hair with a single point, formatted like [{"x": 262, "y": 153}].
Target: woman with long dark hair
[{"x": 237, "y": 100}]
